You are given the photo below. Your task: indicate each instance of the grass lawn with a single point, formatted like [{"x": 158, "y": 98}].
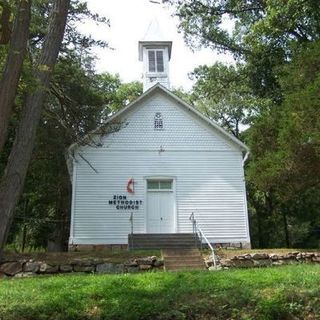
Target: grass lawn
[{"x": 288, "y": 292}]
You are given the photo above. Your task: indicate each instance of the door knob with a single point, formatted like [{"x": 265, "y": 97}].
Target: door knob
[{"x": 161, "y": 218}]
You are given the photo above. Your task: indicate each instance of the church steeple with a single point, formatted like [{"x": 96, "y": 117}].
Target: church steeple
[{"x": 155, "y": 53}]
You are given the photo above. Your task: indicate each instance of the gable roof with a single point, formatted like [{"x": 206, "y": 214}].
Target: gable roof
[{"x": 146, "y": 94}]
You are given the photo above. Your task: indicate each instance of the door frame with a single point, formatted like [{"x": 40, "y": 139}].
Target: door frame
[{"x": 160, "y": 177}]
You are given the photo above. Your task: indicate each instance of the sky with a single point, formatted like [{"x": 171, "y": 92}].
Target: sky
[{"x": 129, "y": 21}]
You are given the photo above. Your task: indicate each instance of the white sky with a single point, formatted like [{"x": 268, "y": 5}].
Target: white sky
[{"x": 129, "y": 21}]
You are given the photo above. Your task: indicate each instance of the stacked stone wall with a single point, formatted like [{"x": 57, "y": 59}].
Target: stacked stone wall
[
  {"x": 251, "y": 260},
  {"x": 27, "y": 268}
]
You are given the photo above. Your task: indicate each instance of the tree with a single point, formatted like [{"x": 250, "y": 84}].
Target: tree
[
  {"x": 285, "y": 144},
  {"x": 5, "y": 24},
  {"x": 259, "y": 32},
  {"x": 12, "y": 182},
  {"x": 275, "y": 43},
  {"x": 78, "y": 101},
  {"x": 11, "y": 74},
  {"x": 223, "y": 94}
]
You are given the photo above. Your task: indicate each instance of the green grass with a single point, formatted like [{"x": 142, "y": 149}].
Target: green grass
[{"x": 289, "y": 292}]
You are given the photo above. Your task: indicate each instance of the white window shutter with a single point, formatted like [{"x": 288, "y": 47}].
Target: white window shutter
[
  {"x": 152, "y": 61},
  {"x": 160, "y": 65}
]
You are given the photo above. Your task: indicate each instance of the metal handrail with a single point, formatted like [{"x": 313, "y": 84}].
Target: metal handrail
[
  {"x": 196, "y": 230},
  {"x": 131, "y": 224}
]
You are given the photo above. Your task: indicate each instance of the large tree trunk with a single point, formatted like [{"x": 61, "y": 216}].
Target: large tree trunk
[
  {"x": 12, "y": 70},
  {"x": 13, "y": 180}
]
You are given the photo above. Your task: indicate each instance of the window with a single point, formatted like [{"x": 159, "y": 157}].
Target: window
[
  {"x": 156, "y": 63},
  {"x": 156, "y": 185},
  {"x": 158, "y": 121}
]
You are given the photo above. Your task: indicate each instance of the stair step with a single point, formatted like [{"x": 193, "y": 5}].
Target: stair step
[
  {"x": 165, "y": 240},
  {"x": 186, "y": 261},
  {"x": 161, "y": 237},
  {"x": 161, "y": 234},
  {"x": 185, "y": 269},
  {"x": 159, "y": 246},
  {"x": 162, "y": 240},
  {"x": 182, "y": 255},
  {"x": 184, "y": 266},
  {"x": 182, "y": 259},
  {"x": 164, "y": 245},
  {"x": 164, "y": 237},
  {"x": 180, "y": 252}
]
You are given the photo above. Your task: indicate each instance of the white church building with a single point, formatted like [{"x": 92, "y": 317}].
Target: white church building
[{"x": 165, "y": 162}]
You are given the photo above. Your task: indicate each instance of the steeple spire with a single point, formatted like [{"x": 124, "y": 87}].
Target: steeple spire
[{"x": 155, "y": 52}]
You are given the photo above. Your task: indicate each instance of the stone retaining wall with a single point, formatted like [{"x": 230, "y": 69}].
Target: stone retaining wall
[
  {"x": 264, "y": 260},
  {"x": 27, "y": 268}
]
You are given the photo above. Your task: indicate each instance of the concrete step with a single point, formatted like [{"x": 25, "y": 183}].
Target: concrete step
[
  {"x": 159, "y": 246},
  {"x": 181, "y": 252},
  {"x": 177, "y": 269},
  {"x": 183, "y": 259},
  {"x": 162, "y": 240},
  {"x": 189, "y": 241},
  {"x": 175, "y": 259},
  {"x": 160, "y": 235},
  {"x": 175, "y": 265},
  {"x": 192, "y": 241}
]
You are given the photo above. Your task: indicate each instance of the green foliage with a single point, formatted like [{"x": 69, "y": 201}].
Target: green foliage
[
  {"x": 115, "y": 93},
  {"x": 273, "y": 293},
  {"x": 294, "y": 140},
  {"x": 223, "y": 94},
  {"x": 251, "y": 23},
  {"x": 275, "y": 92},
  {"x": 79, "y": 100},
  {"x": 285, "y": 147}
]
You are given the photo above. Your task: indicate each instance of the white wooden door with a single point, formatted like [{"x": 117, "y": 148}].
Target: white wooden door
[{"x": 160, "y": 207}]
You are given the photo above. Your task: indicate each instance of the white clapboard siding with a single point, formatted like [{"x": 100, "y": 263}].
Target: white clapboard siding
[
  {"x": 181, "y": 131},
  {"x": 206, "y": 167}
]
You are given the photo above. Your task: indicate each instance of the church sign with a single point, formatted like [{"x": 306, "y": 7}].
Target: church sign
[{"x": 121, "y": 202}]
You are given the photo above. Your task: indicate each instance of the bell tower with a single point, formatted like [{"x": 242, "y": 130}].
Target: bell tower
[{"x": 155, "y": 53}]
